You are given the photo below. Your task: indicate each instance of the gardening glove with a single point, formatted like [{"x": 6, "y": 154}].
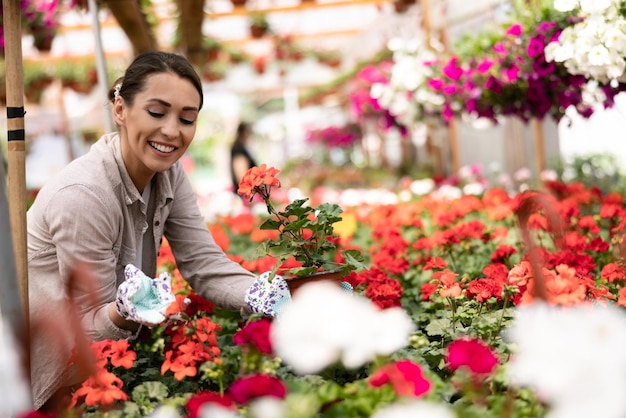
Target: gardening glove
[
  {"x": 268, "y": 298},
  {"x": 142, "y": 299}
]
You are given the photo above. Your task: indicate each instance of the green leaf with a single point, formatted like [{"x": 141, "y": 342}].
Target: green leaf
[{"x": 438, "y": 327}]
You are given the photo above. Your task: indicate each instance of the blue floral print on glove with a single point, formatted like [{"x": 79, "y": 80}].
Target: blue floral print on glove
[
  {"x": 268, "y": 298},
  {"x": 142, "y": 299}
]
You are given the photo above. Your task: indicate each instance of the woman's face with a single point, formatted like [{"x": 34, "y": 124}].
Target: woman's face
[{"x": 158, "y": 128}]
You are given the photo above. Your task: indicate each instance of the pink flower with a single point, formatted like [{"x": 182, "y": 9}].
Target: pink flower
[
  {"x": 254, "y": 386},
  {"x": 485, "y": 65},
  {"x": 514, "y": 30},
  {"x": 405, "y": 377},
  {"x": 201, "y": 398},
  {"x": 472, "y": 354}
]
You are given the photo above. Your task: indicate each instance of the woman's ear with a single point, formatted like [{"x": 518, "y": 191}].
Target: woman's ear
[{"x": 119, "y": 111}]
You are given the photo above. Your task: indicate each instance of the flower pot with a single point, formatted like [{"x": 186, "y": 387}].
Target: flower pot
[
  {"x": 294, "y": 283},
  {"x": 257, "y": 32}
]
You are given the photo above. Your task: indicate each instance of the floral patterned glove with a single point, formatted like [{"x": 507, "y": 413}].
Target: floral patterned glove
[
  {"x": 142, "y": 299},
  {"x": 268, "y": 298}
]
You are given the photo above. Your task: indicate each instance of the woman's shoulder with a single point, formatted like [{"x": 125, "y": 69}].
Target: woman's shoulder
[{"x": 94, "y": 172}]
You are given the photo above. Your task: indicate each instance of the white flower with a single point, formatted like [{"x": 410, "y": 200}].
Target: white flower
[
  {"x": 267, "y": 407},
  {"x": 213, "y": 410},
  {"x": 573, "y": 357},
  {"x": 599, "y": 55},
  {"x": 474, "y": 188},
  {"x": 421, "y": 409},
  {"x": 324, "y": 324},
  {"x": 565, "y": 5},
  {"x": 15, "y": 394},
  {"x": 522, "y": 174},
  {"x": 165, "y": 412},
  {"x": 447, "y": 192},
  {"x": 548, "y": 175},
  {"x": 595, "y": 6},
  {"x": 595, "y": 46},
  {"x": 422, "y": 187}
]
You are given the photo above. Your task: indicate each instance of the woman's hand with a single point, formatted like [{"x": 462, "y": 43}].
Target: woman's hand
[
  {"x": 268, "y": 297},
  {"x": 143, "y": 300}
]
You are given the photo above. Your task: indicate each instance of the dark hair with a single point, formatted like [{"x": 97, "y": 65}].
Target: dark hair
[
  {"x": 154, "y": 62},
  {"x": 243, "y": 131}
]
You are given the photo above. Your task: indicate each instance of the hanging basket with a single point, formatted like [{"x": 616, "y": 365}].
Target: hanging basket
[{"x": 43, "y": 43}]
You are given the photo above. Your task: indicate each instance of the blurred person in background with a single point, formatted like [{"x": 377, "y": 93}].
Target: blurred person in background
[{"x": 241, "y": 159}]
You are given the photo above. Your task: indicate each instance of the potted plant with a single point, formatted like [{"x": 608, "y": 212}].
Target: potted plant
[
  {"x": 306, "y": 235},
  {"x": 212, "y": 46},
  {"x": 259, "y": 25}
]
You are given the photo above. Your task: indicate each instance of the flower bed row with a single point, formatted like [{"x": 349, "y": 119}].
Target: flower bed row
[{"x": 454, "y": 317}]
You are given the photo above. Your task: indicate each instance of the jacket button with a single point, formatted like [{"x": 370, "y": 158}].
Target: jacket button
[{"x": 157, "y": 223}]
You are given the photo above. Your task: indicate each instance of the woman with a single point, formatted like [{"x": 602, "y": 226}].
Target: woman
[
  {"x": 110, "y": 209},
  {"x": 240, "y": 158}
]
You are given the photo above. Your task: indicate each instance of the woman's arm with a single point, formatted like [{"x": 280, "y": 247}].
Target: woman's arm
[{"x": 85, "y": 226}]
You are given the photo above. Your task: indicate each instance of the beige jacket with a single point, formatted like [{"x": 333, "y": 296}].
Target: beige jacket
[{"x": 92, "y": 212}]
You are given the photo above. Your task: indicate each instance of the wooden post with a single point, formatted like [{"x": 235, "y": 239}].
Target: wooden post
[
  {"x": 453, "y": 136},
  {"x": 133, "y": 22},
  {"x": 16, "y": 136},
  {"x": 191, "y": 18},
  {"x": 540, "y": 154}
]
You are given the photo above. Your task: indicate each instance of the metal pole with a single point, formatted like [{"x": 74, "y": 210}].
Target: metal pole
[{"x": 103, "y": 81}]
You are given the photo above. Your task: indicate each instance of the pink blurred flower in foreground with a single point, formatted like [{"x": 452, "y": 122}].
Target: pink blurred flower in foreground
[{"x": 472, "y": 354}]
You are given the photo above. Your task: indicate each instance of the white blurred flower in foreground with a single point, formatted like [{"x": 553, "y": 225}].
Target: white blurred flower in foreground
[
  {"x": 421, "y": 409},
  {"x": 267, "y": 407},
  {"x": 573, "y": 357},
  {"x": 212, "y": 410},
  {"x": 14, "y": 391},
  {"x": 164, "y": 412},
  {"x": 324, "y": 324}
]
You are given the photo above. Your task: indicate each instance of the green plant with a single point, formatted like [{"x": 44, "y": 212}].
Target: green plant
[{"x": 305, "y": 233}]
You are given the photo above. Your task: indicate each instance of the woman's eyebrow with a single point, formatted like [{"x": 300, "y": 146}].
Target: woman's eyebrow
[{"x": 166, "y": 104}]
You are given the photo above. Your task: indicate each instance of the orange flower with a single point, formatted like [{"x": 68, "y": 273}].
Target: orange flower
[
  {"x": 120, "y": 355},
  {"x": 257, "y": 177},
  {"x": 100, "y": 390}
]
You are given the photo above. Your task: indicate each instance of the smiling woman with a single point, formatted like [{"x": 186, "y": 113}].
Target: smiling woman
[{"x": 109, "y": 211}]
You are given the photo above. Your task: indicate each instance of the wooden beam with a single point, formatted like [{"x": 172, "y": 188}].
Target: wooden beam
[
  {"x": 190, "y": 27},
  {"x": 243, "y": 10},
  {"x": 133, "y": 22}
]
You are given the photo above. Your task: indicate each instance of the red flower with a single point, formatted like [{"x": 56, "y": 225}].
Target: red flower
[
  {"x": 255, "y": 386},
  {"x": 612, "y": 272},
  {"x": 472, "y": 354},
  {"x": 198, "y": 304},
  {"x": 256, "y": 334},
  {"x": 427, "y": 290},
  {"x": 404, "y": 376},
  {"x": 201, "y": 398},
  {"x": 502, "y": 253}
]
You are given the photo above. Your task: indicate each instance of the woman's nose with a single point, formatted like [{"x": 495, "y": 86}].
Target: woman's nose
[{"x": 170, "y": 127}]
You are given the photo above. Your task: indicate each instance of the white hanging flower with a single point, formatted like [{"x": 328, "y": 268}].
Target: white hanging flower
[
  {"x": 573, "y": 357},
  {"x": 594, "y": 47},
  {"x": 406, "y": 95},
  {"x": 596, "y": 6},
  {"x": 565, "y": 5},
  {"x": 324, "y": 324}
]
